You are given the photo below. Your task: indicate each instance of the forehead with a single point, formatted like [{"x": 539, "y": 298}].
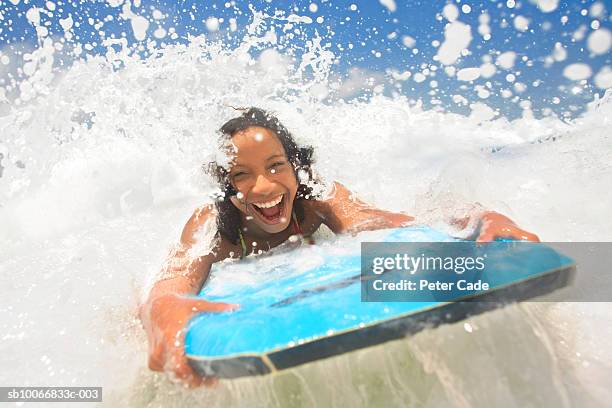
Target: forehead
[{"x": 255, "y": 143}]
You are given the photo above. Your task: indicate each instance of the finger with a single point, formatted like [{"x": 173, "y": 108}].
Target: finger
[
  {"x": 201, "y": 305},
  {"x": 188, "y": 382},
  {"x": 193, "y": 382},
  {"x": 156, "y": 355},
  {"x": 485, "y": 236},
  {"x": 180, "y": 367},
  {"x": 528, "y": 236},
  {"x": 185, "y": 373},
  {"x": 210, "y": 382},
  {"x": 155, "y": 364},
  {"x": 492, "y": 233},
  {"x": 183, "y": 370},
  {"x": 514, "y": 232}
]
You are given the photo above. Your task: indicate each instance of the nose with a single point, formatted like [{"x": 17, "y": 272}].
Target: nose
[{"x": 262, "y": 187}]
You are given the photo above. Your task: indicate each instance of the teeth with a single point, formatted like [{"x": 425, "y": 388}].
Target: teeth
[{"x": 269, "y": 203}]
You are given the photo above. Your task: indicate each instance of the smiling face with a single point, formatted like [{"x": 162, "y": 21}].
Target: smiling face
[{"x": 264, "y": 179}]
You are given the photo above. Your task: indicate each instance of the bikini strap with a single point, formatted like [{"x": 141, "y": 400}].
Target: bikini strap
[
  {"x": 298, "y": 230},
  {"x": 296, "y": 224},
  {"x": 242, "y": 244}
]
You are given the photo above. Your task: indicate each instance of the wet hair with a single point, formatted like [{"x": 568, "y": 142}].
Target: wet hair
[{"x": 300, "y": 158}]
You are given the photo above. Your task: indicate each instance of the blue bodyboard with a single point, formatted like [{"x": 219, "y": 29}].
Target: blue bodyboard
[{"x": 306, "y": 304}]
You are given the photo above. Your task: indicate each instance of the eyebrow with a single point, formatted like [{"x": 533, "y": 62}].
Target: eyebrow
[
  {"x": 268, "y": 159},
  {"x": 276, "y": 155}
]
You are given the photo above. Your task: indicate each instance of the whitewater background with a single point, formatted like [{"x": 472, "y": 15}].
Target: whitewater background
[{"x": 101, "y": 169}]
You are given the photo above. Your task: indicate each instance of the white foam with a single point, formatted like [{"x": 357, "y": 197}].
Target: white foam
[
  {"x": 400, "y": 76},
  {"x": 158, "y": 15},
  {"x": 506, "y": 59},
  {"x": 408, "y": 41},
  {"x": 559, "y": 52},
  {"x": 487, "y": 70},
  {"x": 212, "y": 24},
  {"x": 599, "y": 41},
  {"x": 579, "y": 34},
  {"x": 577, "y": 71},
  {"x": 140, "y": 25},
  {"x": 159, "y": 33},
  {"x": 457, "y": 37},
  {"x": 482, "y": 92},
  {"x": 597, "y": 10},
  {"x": 389, "y": 5},
  {"x": 547, "y": 6},
  {"x": 450, "y": 12},
  {"x": 521, "y": 23},
  {"x": 419, "y": 77},
  {"x": 468, "y": 74},
  {"x": 603, "y": 79},
  {"x": 33, "y": 16},
  {"x": 484, "y": 29},
  {"x": 66, "y": 23}
]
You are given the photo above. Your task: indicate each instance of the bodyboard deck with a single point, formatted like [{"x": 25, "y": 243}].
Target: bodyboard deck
[{"x": 310, "y": 313}]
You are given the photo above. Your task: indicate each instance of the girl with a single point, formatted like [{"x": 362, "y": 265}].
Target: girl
[{"x": 265, "y": 202}]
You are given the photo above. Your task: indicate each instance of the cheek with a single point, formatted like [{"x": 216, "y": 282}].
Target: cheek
[
  {"x": 239, "y": 205},
  {"x": 290, "y": 181},
  {"x": 243, "y": 187}
]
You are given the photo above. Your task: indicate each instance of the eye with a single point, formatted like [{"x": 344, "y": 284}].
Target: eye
[
  {"x": 276, "y": 165},
  {"x": 239, "y": 174}
]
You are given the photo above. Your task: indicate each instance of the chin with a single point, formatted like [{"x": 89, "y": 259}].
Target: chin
[{"x": 274, "y": 229}]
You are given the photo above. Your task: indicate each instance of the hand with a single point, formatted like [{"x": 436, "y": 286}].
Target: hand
[
  {"x": 494, "y": 225},
  {"x": 164, "y": 319}
]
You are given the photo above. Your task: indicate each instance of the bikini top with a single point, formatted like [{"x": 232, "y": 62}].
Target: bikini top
[{"x": 296, "y": 230}]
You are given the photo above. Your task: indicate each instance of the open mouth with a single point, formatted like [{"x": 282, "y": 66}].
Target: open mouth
[{"x": 271, "y": 211}]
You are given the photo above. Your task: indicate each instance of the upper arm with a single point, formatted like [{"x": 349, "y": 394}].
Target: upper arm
[
  {"x": 339, "y": 207},
  {"x": 193, "y": 256},
  {"x": 201, "y": 217},
  {"x": 343, "y": 212}
]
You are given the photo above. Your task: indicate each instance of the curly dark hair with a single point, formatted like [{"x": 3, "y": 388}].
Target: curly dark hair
[{"x": 300, "y": 158}]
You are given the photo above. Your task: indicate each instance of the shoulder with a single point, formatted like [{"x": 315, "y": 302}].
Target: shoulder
[
  {"x": 337, "y": 207},
  {"x": 201, "y": 235},
  {"x": 336, "y": 194},
  {"x": 202, "y": 217},
  {"x": 337, "y": 191}
]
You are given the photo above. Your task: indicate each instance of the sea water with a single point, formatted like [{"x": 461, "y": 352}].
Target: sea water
[{"x": 101, "y": 168}]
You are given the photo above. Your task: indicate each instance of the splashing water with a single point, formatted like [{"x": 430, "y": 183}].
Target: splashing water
[{"x": 100, "y": 167}]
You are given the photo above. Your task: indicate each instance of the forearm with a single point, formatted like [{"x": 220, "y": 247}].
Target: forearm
[
  {"x": 343, "y": 212},
  {"x": 485, "y": 226},
  {"x": 375, "y": 219},
  {"x": 179, "y": 285},
  {"x": 474, "y": 220},
  {"x": 179, "y": 276},
  {"x": 466, "y": 220},
  {"x": 176, "y": 286}
]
